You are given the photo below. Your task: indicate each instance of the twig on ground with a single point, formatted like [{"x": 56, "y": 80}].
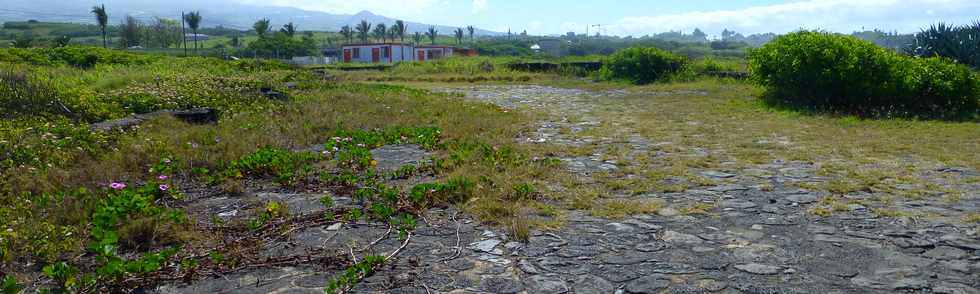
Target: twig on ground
[{"x": 458, "y": 247}]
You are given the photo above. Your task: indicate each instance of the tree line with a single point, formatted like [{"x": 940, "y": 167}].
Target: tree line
[{"x": 364, "y": 33}]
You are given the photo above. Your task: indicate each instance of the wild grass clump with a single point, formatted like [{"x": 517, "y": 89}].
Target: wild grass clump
[
  {"x": 641, "y": 65},
  {"x": 826, "y": 72}
]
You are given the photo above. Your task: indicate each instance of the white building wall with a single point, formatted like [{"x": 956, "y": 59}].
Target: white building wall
[{"x": 365, "y": 55}]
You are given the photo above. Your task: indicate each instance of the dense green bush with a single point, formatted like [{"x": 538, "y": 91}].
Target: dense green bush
[
  {"x": 83, "y": 57},
  {"x": 828, "y": 72},
  {"x": 641, "y": 65}
]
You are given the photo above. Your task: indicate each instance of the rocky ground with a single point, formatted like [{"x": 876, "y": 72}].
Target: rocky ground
[{"x": 757, "y": 236}]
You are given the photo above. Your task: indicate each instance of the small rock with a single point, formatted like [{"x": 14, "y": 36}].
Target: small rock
[
  {"x": 727, "y": 188},
  {"x": 487, "y": 246},
  {"x": 335, "y": 227},
  {"x": 619, "y": 227},
  {"x": 818, "y": 229},
  {"x": 910, "y": 284},
  {"x": 648, "y": 285},
  {"x": 960, "y": 241},
  {"x": 668, "y": 212},
  {"x": 651, "y": 247},
  {"x": 712, "y": 285},
  {"x": 676, "y": 237},
  {"x": 527, "y": 267},
  {"x": 546, "y": 285},
  {"x": 717, "y": 174},
  {"x": 593, "y": 284},
  {"x": 759, "y": 269},
  {"x": 501, "y": 285},
  {"x": 758, "y": 227},
  {"x": 945, "y": 253}
]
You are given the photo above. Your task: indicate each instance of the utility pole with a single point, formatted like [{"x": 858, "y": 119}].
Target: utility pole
[{"x": 183, "y": 34}]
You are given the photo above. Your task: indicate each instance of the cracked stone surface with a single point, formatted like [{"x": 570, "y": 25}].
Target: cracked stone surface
[{"x": 758, "y": 238}]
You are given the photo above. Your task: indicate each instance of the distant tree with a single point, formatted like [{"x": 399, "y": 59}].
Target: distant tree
[
  {"x": 102, "y": 19},
  {"x": 699, "y": 36},
  {"x": 400, "y": 29},
  {"x": 347, "y": 33},
  {"x": 392, "y": 33},
  {"x": 235, "y": 42},
  {"x": 129, "y": 32},
  {"x": 62, "y": 41},
  {"x": 289, "y": 29},
  {"x": 193, "y": 20},
  {"x": 162, "y": 33},
  {"x": 364, "y": 31},
  {"x": 432, "y": 34},
  {"x": 417, "y": 37},
  {"x": 459, "y": 35},
  {"x": 25, "y": 40},
  {"x": 727, "y": 35},
  {"x": 261, "y": 27},
  {"x": 471, "y": 30},
  {"x": 381, "y": 32}
]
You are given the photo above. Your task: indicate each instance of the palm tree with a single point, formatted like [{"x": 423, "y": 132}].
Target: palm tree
[
  {"x": 364, "y": 30},
  {"x": 459, "y": 35},
  {"x": 381, "y": 32},
  {"x": 432, "y": 34},
  {"x": 347, "y": 32},
  {"x": 193, "y": 20},
  {"x": 392, "y": 33},
  {"x": 399, "y": 29},
  {"x": 471, "y": 30},
  {"x": 289, "y": 29},
  {"x": 102, "y": 18},
  {"x": 261, "y": 27},
  {"x": 418, "y": 38}
]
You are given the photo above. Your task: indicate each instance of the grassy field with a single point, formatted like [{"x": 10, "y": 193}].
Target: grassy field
[
  {"x": 64, "y": 212},
  {"x": 62, "y": 194}
]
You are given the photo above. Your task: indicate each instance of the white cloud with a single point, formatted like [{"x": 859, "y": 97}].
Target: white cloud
[
  {"x": 390, "y": 8},
  {"x": 479, "y": 6},
  {"x": 834, "y": 15}
]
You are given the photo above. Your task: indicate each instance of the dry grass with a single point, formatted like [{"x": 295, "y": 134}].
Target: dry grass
[{"x": 618, "y": 209}]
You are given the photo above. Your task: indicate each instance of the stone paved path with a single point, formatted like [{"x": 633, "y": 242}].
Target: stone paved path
[{"x": 757, "y": 238}]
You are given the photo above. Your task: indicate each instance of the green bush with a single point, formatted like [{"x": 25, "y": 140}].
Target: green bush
[
  {"x": 827, "y": 72},
  {"x": 641, "y": 65}
]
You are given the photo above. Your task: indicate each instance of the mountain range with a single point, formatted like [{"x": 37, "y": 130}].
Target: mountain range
[{"x": 225, "y": 13}]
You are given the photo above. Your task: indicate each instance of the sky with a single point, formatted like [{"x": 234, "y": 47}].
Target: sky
[{"x": 642, "y": 17}]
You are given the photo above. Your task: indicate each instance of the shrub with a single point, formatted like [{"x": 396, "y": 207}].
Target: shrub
[
  {"x": 827, "y": 72},
  {"x": 960, "y": 43},
  {"x": 641, "y": 65}
]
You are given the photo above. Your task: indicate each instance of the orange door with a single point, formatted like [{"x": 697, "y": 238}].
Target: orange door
[
  {"x": 375, "y": 55},
  {"x": 346, "y": 55},
  {"x": 421, "y": 55}
]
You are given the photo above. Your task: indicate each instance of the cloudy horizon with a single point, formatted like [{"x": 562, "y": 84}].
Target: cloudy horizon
[{"x": 637, "y": 18}]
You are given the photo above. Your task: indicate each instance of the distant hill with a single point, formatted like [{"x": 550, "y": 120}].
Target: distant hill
[{"x": 226, "y": 13}]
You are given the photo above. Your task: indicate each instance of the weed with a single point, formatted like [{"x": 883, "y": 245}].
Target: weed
[{"x": 617, "y": 209}]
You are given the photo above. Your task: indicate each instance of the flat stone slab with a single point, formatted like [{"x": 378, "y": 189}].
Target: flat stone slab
[{"x": 393, "y": 157}]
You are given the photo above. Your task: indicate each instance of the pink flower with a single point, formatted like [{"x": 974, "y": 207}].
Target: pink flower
[
  {"x": 163, "y": 178},
  {"x": 166, "y": 160},
  {"x": 117, "y": 186},
  {"x": 164, "y": 187}
]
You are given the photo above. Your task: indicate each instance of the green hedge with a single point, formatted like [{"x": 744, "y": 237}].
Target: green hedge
[
  {"x": 829, "y": 72},
  {"x": 641, "y": 65}
]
